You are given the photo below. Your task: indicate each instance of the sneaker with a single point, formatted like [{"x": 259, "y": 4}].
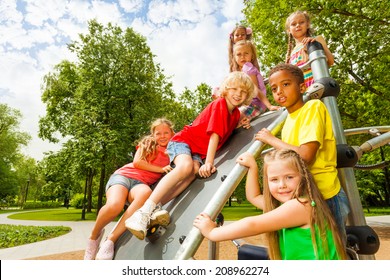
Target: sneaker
[
  {"x": 106, "y": 251},
  {"x": 92, "y": 247},
  {"x": 159, "y": 217},
  {"x": 138, "y": 223}
]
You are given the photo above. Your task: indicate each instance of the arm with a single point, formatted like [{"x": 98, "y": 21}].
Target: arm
[
  {"x": 261, "y": 96},
  {"x": 290, "y": 214},
  {"x": 307, "y": 150},
  {"x": 252, "y": 187},
  {"x": 144, "y": 165},
  {"x": 208, "y": 167},
  {"x": 321, "y": 40}
]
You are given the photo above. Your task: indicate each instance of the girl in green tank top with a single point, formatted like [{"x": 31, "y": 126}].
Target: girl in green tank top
[{"x": 296, "y": 219}]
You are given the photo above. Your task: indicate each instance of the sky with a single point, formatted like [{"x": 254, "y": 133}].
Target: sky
[{"x": 188, "y": 37}]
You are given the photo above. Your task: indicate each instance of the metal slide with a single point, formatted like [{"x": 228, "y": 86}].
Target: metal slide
[{"x": 180, "y": 240}]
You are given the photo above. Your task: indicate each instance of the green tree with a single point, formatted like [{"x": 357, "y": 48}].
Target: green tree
[
  {"x": 106, "y": 100},
  {"x": 357, "y": 33},
  {"x": 11, "y": 142}
]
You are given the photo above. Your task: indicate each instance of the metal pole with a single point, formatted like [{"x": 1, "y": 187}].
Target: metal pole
[{"x": 346, "y": 175}]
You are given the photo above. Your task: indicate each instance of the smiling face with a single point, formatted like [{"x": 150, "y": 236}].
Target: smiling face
[
  {"x": 286, "y": 90},
  {"x": 162, "y": 133},
  {"x": 283, "y": 179},
  {"x": 235, "y": 96}
]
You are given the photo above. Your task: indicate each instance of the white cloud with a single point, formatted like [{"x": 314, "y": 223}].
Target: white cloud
[
  {"x": 189, "y": 38},
  {"x": 131, "y": 6}
]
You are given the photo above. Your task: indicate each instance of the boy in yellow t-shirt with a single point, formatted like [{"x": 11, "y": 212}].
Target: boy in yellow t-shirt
[{"x": 308, "y": 131}]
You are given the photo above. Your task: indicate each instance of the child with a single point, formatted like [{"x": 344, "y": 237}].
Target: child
[
  {"x": 239, "y": 33},
  {"x": 131, "y": 183},
  {"x": 195, "y": 144},
  {"x": 296, "y": 219},
  {"x": 300, "y": 34},
  {"x": 245, "y": 59},
  {"x": 308, "y": 131}
]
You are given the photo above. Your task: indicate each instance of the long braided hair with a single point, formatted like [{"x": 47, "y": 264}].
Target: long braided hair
[
  {"x": 321, "y": 219},
  {"x": 290, "y": 39}
]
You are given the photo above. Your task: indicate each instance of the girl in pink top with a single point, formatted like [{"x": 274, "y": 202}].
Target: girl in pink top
[
  {"x": 131, "y": 183},
  {"x": 245, "y": 60}
]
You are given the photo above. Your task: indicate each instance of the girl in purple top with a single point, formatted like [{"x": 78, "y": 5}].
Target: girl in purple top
[{"x": 245, "y": 60}]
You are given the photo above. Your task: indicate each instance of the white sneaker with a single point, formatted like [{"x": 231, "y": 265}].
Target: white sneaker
[
  {"x": 138, "y": 224},
  {"x": 106, "y": 251},
  {"x": 159, "y": 217},
  {"x": 92, "y": 247}
]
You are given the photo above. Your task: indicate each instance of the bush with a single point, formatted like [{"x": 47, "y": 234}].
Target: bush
[
  {"x": 42, "y": 205},
  {"x": 77, "y": 201},
  {"x": 15, "y": 235}
]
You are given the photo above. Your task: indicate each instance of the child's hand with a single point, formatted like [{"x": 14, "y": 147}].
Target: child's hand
[
  {"x": 246, "y": 159},
  {"x": 274, "y": 108},
  {"x": 264, "y": 135},
  {"x": 204, "y": 223},
  {"x": 308, "y": 40},
  {"x": 167, "y": 169},
  {"x": 206, "y": 170},
  {"x": 245, "y": 123}
]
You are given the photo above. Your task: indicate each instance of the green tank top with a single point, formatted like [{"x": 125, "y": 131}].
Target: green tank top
[{"x": 296, "y": 244}]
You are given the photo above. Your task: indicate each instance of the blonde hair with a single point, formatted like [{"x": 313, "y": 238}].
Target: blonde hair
[
  {"x": 148, "y": 144},
  {"x": 238, "y": 79},
  {"x": 321, "y": 218},
  {"x": 234, "y": 66},
  {"x": 231, "y": 41},
  {"x": 291, "y": 41}
]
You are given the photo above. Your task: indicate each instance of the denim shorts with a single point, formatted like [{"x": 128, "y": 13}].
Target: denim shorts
[
  {"x": 339, "y": 206},
  {"x": 117, "y": 179},
  {"x": 178, "y": 148}
]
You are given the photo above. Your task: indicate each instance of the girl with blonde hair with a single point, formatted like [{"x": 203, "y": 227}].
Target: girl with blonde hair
[{"x": 296, "y": 219}]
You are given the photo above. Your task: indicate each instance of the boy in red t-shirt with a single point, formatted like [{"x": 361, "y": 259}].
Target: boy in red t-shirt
[{"x": 195, "y": 145}]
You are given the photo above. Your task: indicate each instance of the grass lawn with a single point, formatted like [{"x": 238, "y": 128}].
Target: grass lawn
[{"x": 57, "y": 214}]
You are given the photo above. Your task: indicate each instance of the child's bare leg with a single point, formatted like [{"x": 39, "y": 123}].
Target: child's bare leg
[
  {"x": 116, "y": 199},
  {"x": 181, "y": 186},
  {"x": 184, "y": 171},
  {"x": 137, "y": 197},
  {"x": 139, "y": 221}
]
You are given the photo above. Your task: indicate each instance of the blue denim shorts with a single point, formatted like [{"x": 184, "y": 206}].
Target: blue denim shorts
[
  {"x": 339, "y": 206},
  {"x": 117, "y": 179},
  {"x": 178, "y": 148}
]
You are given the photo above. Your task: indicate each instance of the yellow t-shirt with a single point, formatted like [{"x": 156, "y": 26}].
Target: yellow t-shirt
[{"x": 312, "y": 123}]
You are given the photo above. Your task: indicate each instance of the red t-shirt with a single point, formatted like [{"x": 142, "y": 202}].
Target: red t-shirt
[
  {"x": 215, "y": 118},
  {"x": 147, "y": 177}
]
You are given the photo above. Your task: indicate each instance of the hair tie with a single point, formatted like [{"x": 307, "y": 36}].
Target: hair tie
[
  {"x": 248, "y": 31},
  {"x": 313, "y": 203},
  {"x": 231, "y": 35}
]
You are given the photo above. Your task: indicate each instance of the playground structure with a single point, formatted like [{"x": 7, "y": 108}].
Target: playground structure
[{"x": 180, "y": 240}]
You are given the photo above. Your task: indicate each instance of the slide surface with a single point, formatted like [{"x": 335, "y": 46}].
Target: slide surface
[{"x": 192, "y": 201}]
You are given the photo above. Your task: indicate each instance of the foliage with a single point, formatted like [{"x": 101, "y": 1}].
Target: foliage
[
  {"x": 357, "y": 34},
  {"x": 102, "y": 103},
  {"x": 15, "y": 235},
  {"x": 41, "y": 204},
  {"x": 11, "y": 141}
]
